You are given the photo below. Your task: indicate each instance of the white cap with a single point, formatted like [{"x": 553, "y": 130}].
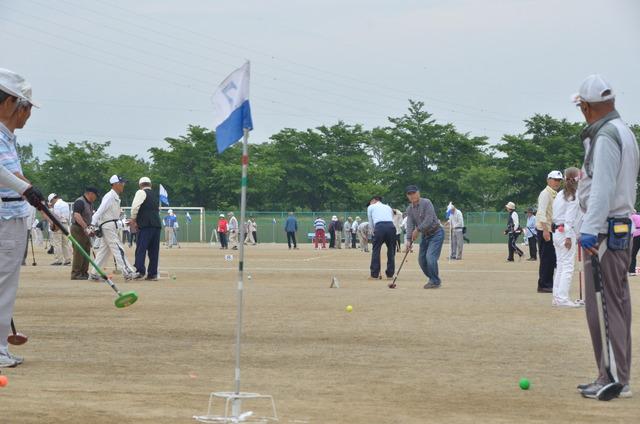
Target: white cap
[
  {"x": 511, "y": 206},
  {"x": 555, "y": 175},
  {"x": 221, "y": 215},
  {"x": 593, "y": 89},
  {"x": 334, "y": 218},
  {"x": 51, "y": 196},
  {"x": 117, "y": 179},
  {"x": 170, "y": 211},
  {"x": 144, "y": 180},
  {"x": 14, "y": 84}
]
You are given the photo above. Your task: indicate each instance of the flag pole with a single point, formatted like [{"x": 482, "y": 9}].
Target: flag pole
[{"x": 236, "y": 407}]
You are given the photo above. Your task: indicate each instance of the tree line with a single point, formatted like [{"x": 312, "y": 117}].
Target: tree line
[{"x": 335, "y": 168}]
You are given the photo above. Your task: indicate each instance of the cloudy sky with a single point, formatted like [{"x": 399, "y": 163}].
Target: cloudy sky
[{"x": 136, "y": 72}]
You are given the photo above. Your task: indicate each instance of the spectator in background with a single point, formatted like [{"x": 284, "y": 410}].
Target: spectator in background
[
  {"x": 291, "y": 227},
  {"x": 332, "y": 232},
  {"x": 544, "y": 219},
  {"x": 530, "y": 235},
  {"x": 254, "y": 230},
  {"x": 338, "y": 227},
  {"x": 354, "y": 232},
  {"x": 364, "y": 233},
  {"x": 61, "y": 244},
  {"x": 233, "y": 231},
  {"x": 636, "y": 243},
  {"x": 320, "y": 227},
  {"x": 456, "y": 224},
  {"x": 347, "y": 232},
  {"x": 513, "y": 231},
  {"x": 222, "y": 232},
  {"x": 397, "y": 223},
  {"x": 169, "y": 228}
]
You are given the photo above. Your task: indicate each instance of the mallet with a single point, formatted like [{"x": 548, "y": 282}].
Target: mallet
[
  {"x": 392, "y": 285},
  {"x": 124, "y": 299},
  {"x": 614, "y": 387},
  {"x": 16, "y": 338},
  {"x": 33, "y": 254}
]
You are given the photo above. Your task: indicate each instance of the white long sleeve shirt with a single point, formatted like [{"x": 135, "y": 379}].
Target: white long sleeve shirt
[
  {"x": 138, "y": 200},
  {"x": 109, "y": 209},
  {"x": 456, "y": 219},
  {"x": 62, "y": 211},
  {"x": 516, "y": 220},
  {"x": 566, "y": 212}
]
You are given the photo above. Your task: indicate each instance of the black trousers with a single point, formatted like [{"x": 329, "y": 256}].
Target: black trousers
[
  {"x": 332, "y": 241},
  {"x": 513, "y": 246},
  {"x": 533, "y": 247},
  {"x": 384, "y": 233},
  {"x": 547, "y": 261},
  {"x": 634, "y": 252},
  {"x": 291, "y": 238},
  {"x": 353, "y": 240},
  {"x": 224, "y": 243}
]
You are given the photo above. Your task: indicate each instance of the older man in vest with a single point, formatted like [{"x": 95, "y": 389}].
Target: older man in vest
[
  {"x": 145, "y": 216},
  {"x": 80, "y": 222},
  {"x": 607, "y": 195}
]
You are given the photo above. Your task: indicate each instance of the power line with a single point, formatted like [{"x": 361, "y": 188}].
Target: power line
[{"x": 130, "y": 12}]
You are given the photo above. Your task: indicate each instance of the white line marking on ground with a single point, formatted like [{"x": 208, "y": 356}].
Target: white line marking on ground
[{"x": 483, "y": 271}]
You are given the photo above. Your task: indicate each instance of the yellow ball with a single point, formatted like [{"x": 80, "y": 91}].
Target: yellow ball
[{"x": 349, "y": 308}]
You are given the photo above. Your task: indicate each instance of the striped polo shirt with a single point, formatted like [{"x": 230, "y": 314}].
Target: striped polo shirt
[
  {"x": 319, "y": 224},
  {"x": 9, "y": 159}
]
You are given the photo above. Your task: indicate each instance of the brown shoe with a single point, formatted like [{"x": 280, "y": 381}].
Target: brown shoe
[
  {"x": 371, "y": 277},
  {"x": 544, "y": 290}
]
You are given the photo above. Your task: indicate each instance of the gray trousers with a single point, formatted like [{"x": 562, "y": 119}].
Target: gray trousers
[
  {"x": 12, "y": 245},
  {"x": 614, "y": 265},
  {"x": 457, "y": 242}
]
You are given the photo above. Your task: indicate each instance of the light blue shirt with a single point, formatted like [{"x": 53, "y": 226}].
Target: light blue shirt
[
  {"x": 379, "y": 212},
  {"x": 9, "y": 159}
]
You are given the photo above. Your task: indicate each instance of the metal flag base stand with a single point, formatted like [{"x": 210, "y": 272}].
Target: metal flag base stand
[{"x": 231, "y": 401}]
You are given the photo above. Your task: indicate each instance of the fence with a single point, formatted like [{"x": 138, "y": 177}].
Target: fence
[{"x": 482, "y": 227}]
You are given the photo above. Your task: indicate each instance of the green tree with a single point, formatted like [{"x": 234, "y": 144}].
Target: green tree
[{"x": 415, "y": 149}]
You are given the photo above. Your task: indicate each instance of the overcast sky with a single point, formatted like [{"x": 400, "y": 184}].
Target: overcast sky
[{"x": 136, "y": 72}]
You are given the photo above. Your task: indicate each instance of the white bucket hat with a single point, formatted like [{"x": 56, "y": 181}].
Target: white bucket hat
[
  {"x": 15, "y": 85},
  {"x": 511, "y": 206}
]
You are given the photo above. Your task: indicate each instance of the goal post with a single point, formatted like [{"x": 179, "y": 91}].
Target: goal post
[{"x": 191, "y": 222}]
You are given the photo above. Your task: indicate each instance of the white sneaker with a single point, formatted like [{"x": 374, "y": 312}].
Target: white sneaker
[
  {"x": 566, "y": 304},
  {"x": 132, "y": 276},
  {"x": 626, "y": 392},
  {"x": 632, "y": 274},
  {"x": 19, "y": 359},
  {"x": 7, "y": 362},
  {"x": 94, "y": 277}
]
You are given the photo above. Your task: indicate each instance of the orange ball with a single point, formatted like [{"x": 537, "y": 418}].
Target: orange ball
[{"x": 3, "y": 381}]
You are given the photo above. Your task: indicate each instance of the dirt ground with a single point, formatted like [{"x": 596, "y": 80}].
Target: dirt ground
[{"x": 409, "y": 355}]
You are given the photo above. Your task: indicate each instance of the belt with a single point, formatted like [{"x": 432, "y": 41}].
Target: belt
[{"x": 12, "y": 199}]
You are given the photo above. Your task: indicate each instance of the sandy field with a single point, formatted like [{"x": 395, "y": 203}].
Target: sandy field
[{"x": 452, "y": 355}]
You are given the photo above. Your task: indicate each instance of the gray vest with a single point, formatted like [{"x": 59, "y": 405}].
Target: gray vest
[{"x": 87, "y": 211}]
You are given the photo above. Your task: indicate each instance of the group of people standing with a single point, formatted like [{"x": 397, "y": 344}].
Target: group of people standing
[{"x": 228, "y": 231}]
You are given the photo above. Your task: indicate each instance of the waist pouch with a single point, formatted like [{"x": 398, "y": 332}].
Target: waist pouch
[{"x": 619, "y": 233}]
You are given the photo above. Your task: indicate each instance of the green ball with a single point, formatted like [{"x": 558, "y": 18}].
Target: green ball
[
  {"x": 524, "y": 384},
  {"x": 173, "y": 277}
]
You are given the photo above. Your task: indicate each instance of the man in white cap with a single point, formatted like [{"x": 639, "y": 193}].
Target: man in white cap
[
  {"x": 513, "y": 231},
  {"x": 145, "y": 218},
  {"x": 15, "y": 110},
  {"x": 607, "y": 195},
  {"x": 222, "y": 231},
  {"x": 61, "y": 244},
  {"x": 169, "y": 228},
  {"x": 544, "y": 220},
  {"x": 106, "y": 220},
  {"x": 233, "y": 231}
]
